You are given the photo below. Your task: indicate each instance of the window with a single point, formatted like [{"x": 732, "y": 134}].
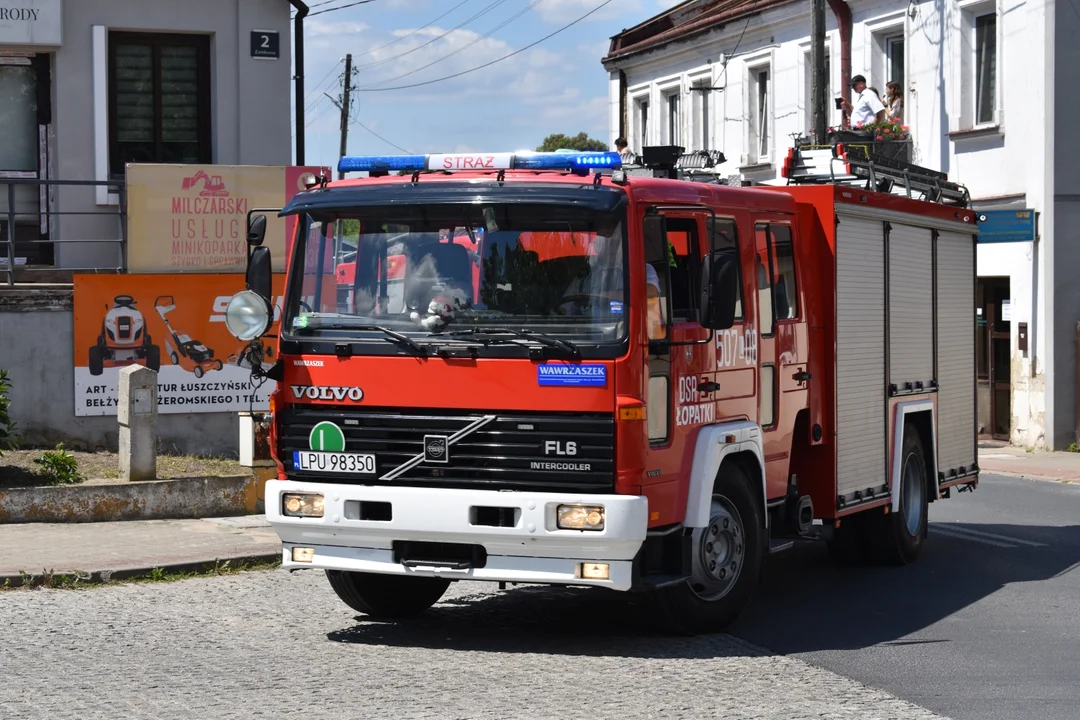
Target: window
[
  {"x": 785, "y": 291},
  {"x": 681, "y": 288},
  {"x": 894, "y": 60},
  {"x": 159, "y": 99},
  {"x": 701, "y": 115},
  {"x": 642, "y": 124},
  {"x": 985, "y": 68},
  {"x": 768, "y": 396},
  {"x": 674, "y": 126},
  {"x": 760, "y": 128},
  {"x": 766, "y": 317},
  {"x": 724, "y": 236}
]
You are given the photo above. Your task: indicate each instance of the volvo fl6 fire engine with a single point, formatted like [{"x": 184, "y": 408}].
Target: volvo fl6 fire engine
[{"x": 550, "y": 368}]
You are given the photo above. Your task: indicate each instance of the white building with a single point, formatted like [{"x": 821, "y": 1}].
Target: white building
[{"x": 734, "y": 76}]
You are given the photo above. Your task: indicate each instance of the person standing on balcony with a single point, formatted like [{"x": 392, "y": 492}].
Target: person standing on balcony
[
  {"x": 867, "y": 107},
  {"x": 895, "y": 100}
]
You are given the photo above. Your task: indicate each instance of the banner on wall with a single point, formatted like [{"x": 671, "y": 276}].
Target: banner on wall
[
  {"x": 172, "y": 323},
  {"x": 193, "y": 218}
]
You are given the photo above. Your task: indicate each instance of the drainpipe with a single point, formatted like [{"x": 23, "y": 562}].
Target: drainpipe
[
  {"x": 623, "y": 124},
  {"x": 298, "y": 49},
  {"x": 842, "y": 12}
]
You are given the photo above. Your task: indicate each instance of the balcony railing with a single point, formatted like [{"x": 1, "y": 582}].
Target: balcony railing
[{"x": 29, "y": 226}]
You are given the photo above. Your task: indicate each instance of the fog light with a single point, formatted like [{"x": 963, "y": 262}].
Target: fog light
[
  {"x": 302, "y": 505},
  {"x": 580, "y": 517},
  {"x": 305, "y": 555},
  {"x": 594, "y": 571}
]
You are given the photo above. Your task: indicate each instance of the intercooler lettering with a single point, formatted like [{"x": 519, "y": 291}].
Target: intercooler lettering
[{"x": 572, "y": 467}]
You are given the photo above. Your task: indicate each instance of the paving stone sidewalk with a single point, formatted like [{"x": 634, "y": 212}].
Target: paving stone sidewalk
[
  {"x": 1006, "y": 460},
  {"x": 124, "y": 549}
]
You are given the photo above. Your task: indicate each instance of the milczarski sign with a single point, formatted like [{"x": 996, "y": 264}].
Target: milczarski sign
[{"x": 31, "y": 22}]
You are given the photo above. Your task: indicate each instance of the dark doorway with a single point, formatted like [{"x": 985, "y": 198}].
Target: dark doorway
[{"x": 994, "y": 356}]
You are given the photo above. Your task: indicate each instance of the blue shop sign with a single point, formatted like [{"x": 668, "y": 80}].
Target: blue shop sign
[{"x": 1003, "y": 226}]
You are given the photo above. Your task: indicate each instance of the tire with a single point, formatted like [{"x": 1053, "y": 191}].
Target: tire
[
  {"x": 728, "y": 556},
  {"x": 96, "y": 361},
  {"x": 198, "y": 371},
  {"x": 219, "y": 365},
  {"x": 897, "y": 538},
  {"x": 175, "y": 358},
  {"x": 386, "y": 596},
  {"x": 153, "y": 358}
]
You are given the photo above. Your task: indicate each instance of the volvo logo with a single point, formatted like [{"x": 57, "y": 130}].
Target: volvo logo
[
  {"x": 436, "y": 449},
  {"x": 326, "y": 392}
]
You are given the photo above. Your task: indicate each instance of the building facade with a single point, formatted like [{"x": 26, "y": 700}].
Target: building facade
[
  {"x": 987, "y": 91},
  {"x": 87, "y": 86}
]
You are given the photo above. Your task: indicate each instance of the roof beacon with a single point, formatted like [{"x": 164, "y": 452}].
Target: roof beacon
[{"x": 573, "y": 161}]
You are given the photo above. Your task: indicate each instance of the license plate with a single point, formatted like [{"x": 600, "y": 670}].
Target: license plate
[{"x": 333, "y": 462}]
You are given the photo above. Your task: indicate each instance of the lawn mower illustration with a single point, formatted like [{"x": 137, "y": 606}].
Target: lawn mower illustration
[
  {"x": 124, "y": 339},
  {"x": 189, "y": 354}
]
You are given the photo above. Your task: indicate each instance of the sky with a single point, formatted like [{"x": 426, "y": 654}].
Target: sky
[{"x": 556, "y": 86}]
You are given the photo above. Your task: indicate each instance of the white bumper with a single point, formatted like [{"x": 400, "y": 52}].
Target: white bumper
[{"x": 533, "y": 551}]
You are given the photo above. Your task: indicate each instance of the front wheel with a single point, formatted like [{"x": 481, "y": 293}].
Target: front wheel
[
  {"x": 728, "y": 555},
  {"x": 386, "y": 596}
]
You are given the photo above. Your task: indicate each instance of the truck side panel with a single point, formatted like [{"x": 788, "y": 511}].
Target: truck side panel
[
  {"x": 911, "y": 308},
  {"x": 957, "y": 451},
  {"x": 860, "y": 355}
]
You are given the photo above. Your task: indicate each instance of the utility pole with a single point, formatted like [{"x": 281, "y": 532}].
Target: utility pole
[
  {"x": 819, "y": 98},
  {"x": 345, "y": 111}
]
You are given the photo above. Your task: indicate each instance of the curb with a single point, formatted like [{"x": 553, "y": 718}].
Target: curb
[
  {"x": 176, "y": 499},
  {"x": 1029, "y": 476},
  {"x": 70, "y": 578}
]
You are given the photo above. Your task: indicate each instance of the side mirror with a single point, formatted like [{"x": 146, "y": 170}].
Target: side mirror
[
  {"x": 654, "y": 230},
  {"x": 260, "y": 278},
  {"x": 719, "y": 290},
  {"x": 257, "y": 231}
]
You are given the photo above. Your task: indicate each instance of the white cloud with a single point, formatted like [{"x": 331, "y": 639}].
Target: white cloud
[{"x": 561, "y": 12}]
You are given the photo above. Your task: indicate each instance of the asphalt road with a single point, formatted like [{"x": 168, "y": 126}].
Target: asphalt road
[{"x": 985, "y": 626}]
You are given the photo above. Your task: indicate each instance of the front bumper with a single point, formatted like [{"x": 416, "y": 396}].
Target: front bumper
[{"x": 534, "y": 550}]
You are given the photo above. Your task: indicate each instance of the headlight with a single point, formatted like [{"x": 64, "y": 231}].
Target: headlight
[
  {"x": 580, "y": 517},
  {"x": 247, "y": 317},
  {"x": 302, "y": 505}
]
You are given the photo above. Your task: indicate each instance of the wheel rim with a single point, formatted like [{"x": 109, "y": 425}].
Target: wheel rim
[
  {"x": 913, "y": 490},
  {"x": 719, "y": 551}
]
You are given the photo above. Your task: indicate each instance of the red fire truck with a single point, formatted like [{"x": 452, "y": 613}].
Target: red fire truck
[{"x": 508, "y": 416}]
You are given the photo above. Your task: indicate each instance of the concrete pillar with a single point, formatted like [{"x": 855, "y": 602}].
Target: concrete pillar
[{"x": 137, "y": 415}]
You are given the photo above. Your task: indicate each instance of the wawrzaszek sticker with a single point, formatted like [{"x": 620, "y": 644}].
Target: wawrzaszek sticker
[{"x": 566, "y": 375}]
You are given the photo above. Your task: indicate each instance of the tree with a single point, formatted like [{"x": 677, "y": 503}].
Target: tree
[{"x": 581, "y": 141}]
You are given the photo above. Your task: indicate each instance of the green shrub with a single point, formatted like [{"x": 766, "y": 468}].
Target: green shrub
[
  {"x": 8, "y": 437},
  {"x": 59, "y": 467}
]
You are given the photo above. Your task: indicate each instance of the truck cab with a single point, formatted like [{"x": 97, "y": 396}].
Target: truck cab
[{"x": 544, "y": 370}]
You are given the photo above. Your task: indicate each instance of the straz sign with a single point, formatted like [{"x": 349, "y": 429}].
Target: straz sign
[
  {"x": 327, "y": 392},
  {"x": 471, "y": 161}
]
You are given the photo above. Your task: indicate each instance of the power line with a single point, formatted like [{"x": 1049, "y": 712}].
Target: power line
[
  {"x": 489, "y": 64},
  {"x": 749, "y": 15},
  {"x": 341, "y": 7},
  {"x": 321, "y": 83},
  {"x": 382, "y": 138},
  {"x": 486, "y": 35},
  {"x": 485, "y": 11},
  {"x": 413, "y": 32}
]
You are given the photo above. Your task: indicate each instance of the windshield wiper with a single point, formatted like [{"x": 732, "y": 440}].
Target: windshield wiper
[
  {"x": 345, "y": 322},
  {"x": 541, "y": 338}
]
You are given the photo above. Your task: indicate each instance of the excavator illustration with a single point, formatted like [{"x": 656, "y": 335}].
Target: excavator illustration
[
  {"x": 212, "y": 186},
  {"x": 190, "y": 354},
  {"x": 124, "y": 339}
]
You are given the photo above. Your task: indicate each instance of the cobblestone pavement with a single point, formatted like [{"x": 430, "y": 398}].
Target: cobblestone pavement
[{"x": 274, "y": 645}]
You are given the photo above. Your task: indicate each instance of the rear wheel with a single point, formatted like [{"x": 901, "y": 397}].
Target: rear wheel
[
  {"x": 198, "y": 371},
  {"x": 219, "y": 365},
  {"x": 897, "y": 538},
  {"x": 727, "y": 558},
  {"x": 153, "y": 358},
  {"x": 386, "y": 596},
  {"x": 175, "y": 358}
]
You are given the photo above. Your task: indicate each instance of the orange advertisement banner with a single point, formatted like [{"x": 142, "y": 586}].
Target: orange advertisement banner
[
  {"x": 193, "y": 218},
  {"x": 174, "y": 324}
]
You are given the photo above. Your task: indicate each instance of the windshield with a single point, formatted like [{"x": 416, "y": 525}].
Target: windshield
[{"x": 541, "y": 273}]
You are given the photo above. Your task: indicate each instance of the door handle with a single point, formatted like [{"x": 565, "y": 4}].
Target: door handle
[
  {"x": 708, "y": 387},
  {"x": 802, "y": 376}
]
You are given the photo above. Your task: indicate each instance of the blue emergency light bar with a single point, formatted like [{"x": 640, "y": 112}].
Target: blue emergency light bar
[{"x": 458, "y": 162}]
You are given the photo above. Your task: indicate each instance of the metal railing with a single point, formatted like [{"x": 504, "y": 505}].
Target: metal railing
[{"x": 12, "y": 217}]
